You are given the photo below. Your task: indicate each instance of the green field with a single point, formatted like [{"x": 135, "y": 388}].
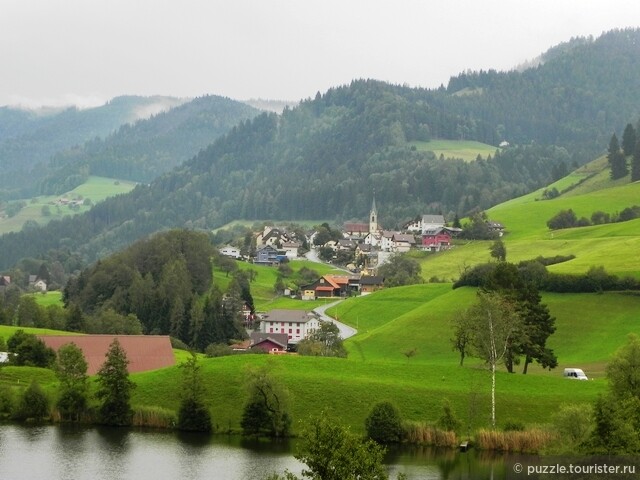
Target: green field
[
  {"x": 467, "y": 150},
  {"x": 613, "y": 246},
  {"x": 418, "y": 318},
  {"x": 95, "y": 189}
]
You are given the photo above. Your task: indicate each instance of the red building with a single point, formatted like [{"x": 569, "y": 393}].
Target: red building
[{"x": 436, "y": 239}]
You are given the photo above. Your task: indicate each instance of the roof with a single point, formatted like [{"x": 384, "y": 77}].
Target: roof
[
  {"x": 144, "y": 352},
  {"x": 280, "y": 315},
  {"x": 401, "y": 237},
  {"x": 434, "y": 231},
  {"x": 371, "y": 280},
  {"x": 356, "y": 227},
  {"x": 278, "y": 338},
  {"x": 434, "y": 219}
]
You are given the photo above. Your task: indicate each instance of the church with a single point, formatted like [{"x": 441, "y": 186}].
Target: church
[{"x": 360, "y": 231}]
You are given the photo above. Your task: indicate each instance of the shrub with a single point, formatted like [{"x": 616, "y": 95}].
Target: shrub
[
  {"x": 384, "y": 424},
  {"x": 448, "y": 420},
  {"x": 194, "y": 416},
  {"x": 7, "y": 402},
  {"x": 573, "y": 423},
  {"x": 424, "y": 434},
  {"x": 218, "y": 350},
  {"x": 34, "y": 404},
  {"x": 563, "y": 219},
  {"x": 156, "y": 417},
  {"x": 528, "y": 441}
]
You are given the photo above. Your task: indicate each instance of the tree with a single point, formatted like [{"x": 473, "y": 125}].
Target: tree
[
  {"x": 635, "y": 163},
  {"x": 114, "y": 387},
  {"x": 461, "y": 340},
  {"x": 71, "y": 369},
  {"x": 266, "y": 410},
  {"x": 494, "y": 324},
  {"x": 33, "y": 403},
  {"x": 332, "y": 452},
  {"x": 400, "y": 270},
  {"x": 498, "y": 250},
  {"x": 623, "y": 371},
  {"x": 538, "y": 325},
  {"x": 629, "y": 140},
  {"x": 617, "y": 414},
  {"x": 324, "y": 342},
  {"x": 29, "y": 350},
  {"x": 384, "y": 423},
  {"x": 193, "y": 414},
  {"x": 617, "y": 160}
]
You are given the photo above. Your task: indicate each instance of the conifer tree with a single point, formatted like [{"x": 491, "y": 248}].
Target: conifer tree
[
  {"x": 635, "y": 163},
  {"x": 115, "y": 387},
  {"x": 628, "y": 140}
]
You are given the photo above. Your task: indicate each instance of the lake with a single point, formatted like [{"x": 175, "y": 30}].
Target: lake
[{"x": 54, "y": 452}]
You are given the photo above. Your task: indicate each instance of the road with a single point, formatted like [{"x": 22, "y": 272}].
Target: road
[{"x": 345, "y": 330}]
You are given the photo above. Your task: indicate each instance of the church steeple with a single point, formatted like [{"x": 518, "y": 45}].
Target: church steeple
[{"x": 373, "y": 216}]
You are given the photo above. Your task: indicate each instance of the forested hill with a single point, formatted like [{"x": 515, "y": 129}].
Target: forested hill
[
  {"x": 28, "y": 138},
  {"x": 580, "y": 93},
  {"x": 148, "y": 148},
  {"x": 324, "y": 158}
]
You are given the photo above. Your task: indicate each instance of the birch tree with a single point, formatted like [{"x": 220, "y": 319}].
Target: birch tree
[{"x": 494, "y": 324}]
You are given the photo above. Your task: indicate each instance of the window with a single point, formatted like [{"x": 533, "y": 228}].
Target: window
[
  {"x": 271, "y": 330},
  {"x": 290, "y": 331},
  {"x": 297, "y": 331}
]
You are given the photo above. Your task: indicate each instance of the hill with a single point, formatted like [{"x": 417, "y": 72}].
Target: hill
[
  {"x": 42, "y": 209},
  {"x": 29, "y": 138},
  {"x": 324, "y": 158},
  {"x": 587, "y": 190},
  {"x": 146, "y": 149}
]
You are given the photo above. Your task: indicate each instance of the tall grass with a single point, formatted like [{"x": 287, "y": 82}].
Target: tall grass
[
  {"x": 155, "y": 417},
  {"x": 526, "y": 441},
  {"x": 422, "y": 433}
]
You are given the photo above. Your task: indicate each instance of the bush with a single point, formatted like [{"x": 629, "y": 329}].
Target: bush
[
  {"x": 448, "y": 420},
  {"x": 7, "y": 402},
  {"x": 34, "y": 404},
  {"x": 218, "y": 350},
  {"x": 384, "y": 424},
  {"x": 194, "y": 416}
]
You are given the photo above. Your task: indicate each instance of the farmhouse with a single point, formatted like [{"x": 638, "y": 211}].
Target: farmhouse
[
  {"x": 144, "y": 352},
  {"x": 269, "y": 342},
  {"x": 436, "y": 239},
  {"x": 230, "y": 251},
  {"x": 296, "y": 324}
]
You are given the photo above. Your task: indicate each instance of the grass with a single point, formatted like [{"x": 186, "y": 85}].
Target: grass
[
  {"x": 95, "y": 189},
  {"x": 611, "y": 245},
  {"x": 466, "y": 150},
  {"x": 45, "y": 299}
]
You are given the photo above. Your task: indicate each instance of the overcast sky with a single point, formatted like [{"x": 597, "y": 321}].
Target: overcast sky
[{"x": 88, "y": 51}]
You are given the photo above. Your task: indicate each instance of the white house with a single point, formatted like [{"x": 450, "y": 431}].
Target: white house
[
  {"x": 291, "y": 249},
  {"x": 402, "y": 243},
  {"x": 230, "y": 251},
  {"x": 297, "y": 324}
]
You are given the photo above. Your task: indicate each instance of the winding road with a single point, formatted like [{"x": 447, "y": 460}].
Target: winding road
[{"x": 345, "y": 330}]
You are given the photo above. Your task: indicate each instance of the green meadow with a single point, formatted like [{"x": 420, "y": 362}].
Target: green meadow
[
  {"x": 95, "y": 189},
  {"x": 467, "y": 150},
  {"x": 527, "y": 236},
  {"x": 402, "y": 351}
]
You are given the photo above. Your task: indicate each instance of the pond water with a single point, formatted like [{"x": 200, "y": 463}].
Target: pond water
[{"x": 52, "y": 452}]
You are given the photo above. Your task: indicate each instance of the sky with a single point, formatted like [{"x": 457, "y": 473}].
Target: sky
[{"x": 85, "y": 52}]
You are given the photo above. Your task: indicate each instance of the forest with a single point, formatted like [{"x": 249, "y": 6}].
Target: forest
[{"x": 324, "y": 158}]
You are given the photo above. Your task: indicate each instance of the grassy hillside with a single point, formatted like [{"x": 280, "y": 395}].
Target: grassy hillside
[
  {"x": 612, "y": 245},
  {"x": 95, "y": 189},
  {"x": 467, "y": 150},
  {"x": 391, "y": 322}
]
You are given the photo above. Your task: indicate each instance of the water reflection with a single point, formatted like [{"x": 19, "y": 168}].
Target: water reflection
[{"x": 65, "y": 452}]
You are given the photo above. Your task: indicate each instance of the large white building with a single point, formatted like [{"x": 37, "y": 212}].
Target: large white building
[{"x": 297, "y": 324}]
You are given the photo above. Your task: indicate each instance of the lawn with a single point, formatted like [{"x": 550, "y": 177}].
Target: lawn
[
  {"x": 94, "y": 189},
  {"x": 467, "y": 150}
]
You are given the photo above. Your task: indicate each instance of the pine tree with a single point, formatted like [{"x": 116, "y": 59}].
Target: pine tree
[
  {"x": 616, "y": 158},
  {"x": 629, "y": 140},
  {"x": 115, "y": 387},
  {"x": 635, "y": 163}
]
